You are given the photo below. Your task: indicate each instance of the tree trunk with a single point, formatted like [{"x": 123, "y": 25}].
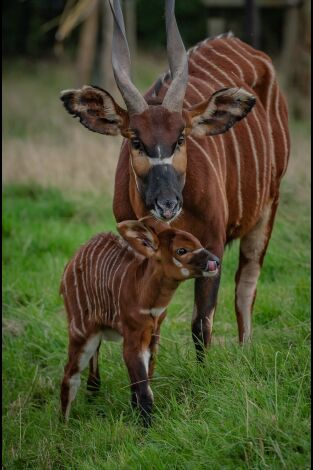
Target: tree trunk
[
  {"x": 106, "y": 71},
  {"x": 87, "y": 47}
]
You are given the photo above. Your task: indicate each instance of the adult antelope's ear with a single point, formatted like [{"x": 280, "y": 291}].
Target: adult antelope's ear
[
  {"x": 96, "y": 110},
  {"x": 139, "y": 236},
  {"x": 220, "y": 112}
]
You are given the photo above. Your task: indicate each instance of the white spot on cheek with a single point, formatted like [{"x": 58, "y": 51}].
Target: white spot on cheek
[
  {"x": 185, "y": 272},
  {"x": 176, "y": 262}
]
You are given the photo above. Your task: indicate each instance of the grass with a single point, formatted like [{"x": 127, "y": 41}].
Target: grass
[{"x": 245, "y": 408}]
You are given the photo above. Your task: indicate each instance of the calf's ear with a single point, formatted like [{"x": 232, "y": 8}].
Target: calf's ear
[
  {"x": 220, "y": 112},
  {"x": 139, "y": 236},
  {"x": 96, "y": 109}
]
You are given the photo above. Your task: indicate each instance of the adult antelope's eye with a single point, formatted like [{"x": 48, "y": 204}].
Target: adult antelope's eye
[
  {"x": 136, "y": 143},
  {"x": 181, "y": 251},
  {"x": 181, "y": 140}
]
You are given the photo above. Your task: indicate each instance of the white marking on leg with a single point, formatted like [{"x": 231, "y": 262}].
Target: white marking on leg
[
  {"x": 89, "y": 350},
  {"x": 156, "y": 312},
  {"x": 252, "y": 246},
  {"x": 245, "y": 294},
  {"x": 145, "y": 357},
  {"x": 74, "y": 383}
]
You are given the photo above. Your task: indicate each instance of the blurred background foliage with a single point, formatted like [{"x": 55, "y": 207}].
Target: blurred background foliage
[{"x": 80, "y": 30}]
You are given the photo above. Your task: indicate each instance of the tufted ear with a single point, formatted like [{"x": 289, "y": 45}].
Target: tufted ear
[
  {"x": 220, "y": 112},
  {"x": 139, "y": 236},
  {"x": 96, "y": 109}
]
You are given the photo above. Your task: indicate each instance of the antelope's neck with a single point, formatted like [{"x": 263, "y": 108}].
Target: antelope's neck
[{"x": 155, "y": 290}]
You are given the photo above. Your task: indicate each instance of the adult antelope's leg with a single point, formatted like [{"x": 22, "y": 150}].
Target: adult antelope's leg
[
  {"x": 202, "y": 321},
  {"x": 79, "y": 354},
  {"x": 93, "y": 381},
  {"x": 136, "y": 354},
  {"x": 252, "y": 250}
]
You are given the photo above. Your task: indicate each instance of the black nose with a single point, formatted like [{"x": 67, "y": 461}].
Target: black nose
[
  {"x": 217, "y": 261},
  {"x": 167, "y": 207}
]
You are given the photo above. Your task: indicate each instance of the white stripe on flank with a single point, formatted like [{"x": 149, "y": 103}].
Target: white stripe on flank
[
  {"x": 220, "y": 137},
  {"x": 93, "y": 274},
  {"x": 282, "y": 129},
  {"x": 110, "y": 276},
  {"x": 268, "y": 102},
  {"x": 255, "y": 76},
  {"x": 73, "y": 329},
  {"x": 196, "y": 89},
  {"x": 77, "y": 295},
  {"x": 237, "y": 157},
  {"x": 239, "y": 70},
  {"x": 97, "y": 272},
  {"x": 121, "y": 285},
  {"x": 247, "y": 126},
  {"x": 218, "y": 161},
  {"x": 234, "y": 138},
  {"x": 220, "y": 185},
  {"x": 265, "y": 157},
  {"x": 113, "y": 282},
  {"x": 255, "y": 157},
  {"x": 83, "y": 273},
  {"x": 105, "y": 278}
]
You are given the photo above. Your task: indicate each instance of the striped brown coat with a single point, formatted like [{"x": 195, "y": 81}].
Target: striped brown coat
[
  {"x": 120, "y": 288},
  {"x": 205, "y": 150}
]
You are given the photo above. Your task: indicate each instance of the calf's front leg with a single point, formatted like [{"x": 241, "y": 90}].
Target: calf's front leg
[{"x": 136, "y": 353}]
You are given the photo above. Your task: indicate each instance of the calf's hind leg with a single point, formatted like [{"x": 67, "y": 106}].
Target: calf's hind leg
[
  {"x": 79, "y": 354},
  {"x": 253, "y": 247},
  {"x": 93, "y": 381}
]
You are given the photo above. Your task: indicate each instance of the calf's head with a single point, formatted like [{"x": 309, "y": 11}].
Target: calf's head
[
  {"x": 156, "y": 131},
  {"x": 178, "y": 254}
]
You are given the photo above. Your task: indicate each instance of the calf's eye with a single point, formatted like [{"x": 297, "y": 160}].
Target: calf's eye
[
  {"x": 181, "y": 140},
  {"x": 136, "y": 144},
  {"x": 181, "y": 251}
]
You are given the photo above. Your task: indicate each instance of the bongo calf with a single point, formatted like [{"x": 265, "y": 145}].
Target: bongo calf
[{"x": 120, "y": 287}]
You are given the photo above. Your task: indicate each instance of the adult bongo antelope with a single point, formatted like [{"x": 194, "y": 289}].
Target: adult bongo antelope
[
  {"x": 205, "y": 149},
  {"x": 102, "y": 301}
]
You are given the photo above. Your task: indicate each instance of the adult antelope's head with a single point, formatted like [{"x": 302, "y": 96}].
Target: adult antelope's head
[{"x": 156, "y": 129}]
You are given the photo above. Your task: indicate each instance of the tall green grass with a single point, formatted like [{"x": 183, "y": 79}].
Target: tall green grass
[{"x": 244, "y": 408}]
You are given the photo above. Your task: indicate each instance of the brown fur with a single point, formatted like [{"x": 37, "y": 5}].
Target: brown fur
[
  {"x": 235, "y": 153},
  {"x": 124, "y": 286}
]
